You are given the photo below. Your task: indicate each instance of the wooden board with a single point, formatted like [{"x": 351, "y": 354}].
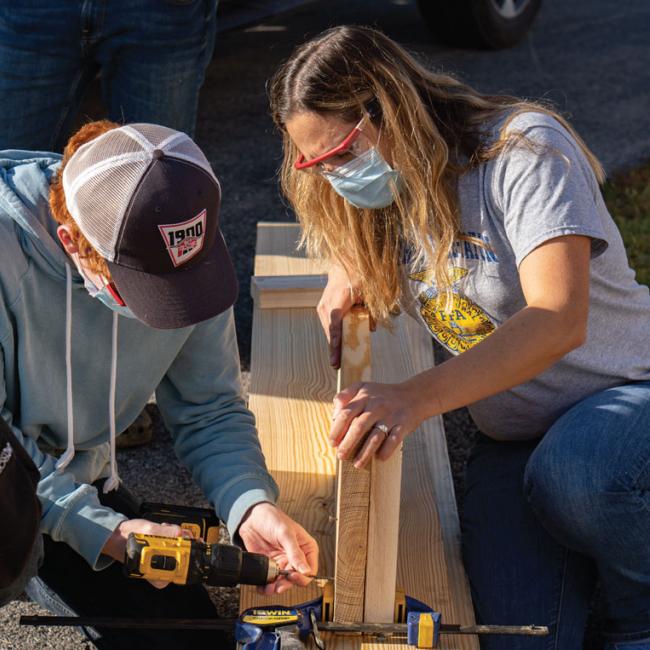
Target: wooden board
[
  {"x": 385, "y": 499},
  {"x": 287, "y": 291},
  {"x": 276, "y": 251},
  {"x": 353, "y": 485},
  {"x": 292, "y": 386}
]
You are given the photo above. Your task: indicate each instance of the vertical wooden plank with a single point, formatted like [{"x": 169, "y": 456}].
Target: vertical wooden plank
[
  {"x": 353, "y": 485},
  {"x": 385, "y": 492},
  {"x": 430, "y": 565}
]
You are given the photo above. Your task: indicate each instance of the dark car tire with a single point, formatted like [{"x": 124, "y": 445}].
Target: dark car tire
[{"x": 479, "y": 23}]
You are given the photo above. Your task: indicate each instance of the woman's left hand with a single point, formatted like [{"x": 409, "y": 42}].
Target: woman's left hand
[{"x": 371, "y": 418}]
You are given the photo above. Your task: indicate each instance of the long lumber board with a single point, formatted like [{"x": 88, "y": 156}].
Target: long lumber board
[
  {"x": 367, "y": 531},
  {"x": 353, "y": 485},
  {"x": 292, "y": 386}
]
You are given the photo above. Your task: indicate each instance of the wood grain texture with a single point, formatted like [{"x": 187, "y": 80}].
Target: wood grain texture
[
  {"x": 287, "y": 291},
  {"x": 353, "y": 485},
  {"x": 292, "y": 387},
  {"x": 276, "y": 252},
  {"x": 429, "y": 567},
  {"x": 384, "y": 506}
]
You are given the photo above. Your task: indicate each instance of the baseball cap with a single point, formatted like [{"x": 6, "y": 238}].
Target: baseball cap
[{"x": 147, "y": 200}]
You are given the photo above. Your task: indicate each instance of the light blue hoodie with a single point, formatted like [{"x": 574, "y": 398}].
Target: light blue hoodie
[{"x": 194, "y": 372}]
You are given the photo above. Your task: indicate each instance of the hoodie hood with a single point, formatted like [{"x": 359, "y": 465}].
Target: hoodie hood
[
  {"x": 24, "y": 197},
  {"x": 25, "y": 178}
]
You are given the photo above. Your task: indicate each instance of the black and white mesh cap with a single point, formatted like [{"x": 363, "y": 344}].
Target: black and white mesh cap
[{"x": 148, "y": 201}]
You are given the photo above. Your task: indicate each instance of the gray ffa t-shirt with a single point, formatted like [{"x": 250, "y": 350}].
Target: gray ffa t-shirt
[{"x": 512, "y": 204}]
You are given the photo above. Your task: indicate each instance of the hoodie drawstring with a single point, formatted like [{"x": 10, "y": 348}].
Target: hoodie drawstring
[
  {"x": 113, "y": 481},
  {"x": 65, "y": 459}
]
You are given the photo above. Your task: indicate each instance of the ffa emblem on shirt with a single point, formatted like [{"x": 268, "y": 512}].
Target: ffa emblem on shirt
[
  {"x": 184, "y": 240},
  {"x": 458, "y": 327}
]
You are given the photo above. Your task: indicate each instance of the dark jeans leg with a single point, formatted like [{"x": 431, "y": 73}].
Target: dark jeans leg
[
  {"x": 43, "y": 72},
  {"x": 67, "y": 586},
  {"x": 588, "y": 482},
  {"x": 154, "y": 55},
  {"x": 518, "y": 574}
]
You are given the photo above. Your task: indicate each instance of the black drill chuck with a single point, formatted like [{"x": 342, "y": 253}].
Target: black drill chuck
[{"x": 227, "y": 566}]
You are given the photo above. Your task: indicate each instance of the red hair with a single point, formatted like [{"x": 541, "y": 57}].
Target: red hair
[{"x": 92, "y": 259}]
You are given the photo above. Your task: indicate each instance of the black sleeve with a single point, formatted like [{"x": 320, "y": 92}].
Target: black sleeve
[{"x": 20, "y": 510}]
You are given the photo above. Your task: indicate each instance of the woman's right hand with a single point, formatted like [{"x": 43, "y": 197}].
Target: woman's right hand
[{"x": 339, "y": 296}]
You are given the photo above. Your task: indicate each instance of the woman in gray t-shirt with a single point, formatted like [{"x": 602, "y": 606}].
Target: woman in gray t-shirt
[{"x": 482, "y": 217}]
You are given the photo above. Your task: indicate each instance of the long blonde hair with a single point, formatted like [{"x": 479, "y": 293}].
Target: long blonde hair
[{"x": 435, "y": 128}]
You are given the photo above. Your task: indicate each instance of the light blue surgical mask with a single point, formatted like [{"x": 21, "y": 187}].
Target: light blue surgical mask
[
  {"x": 104, "y": 296},
  {"x": 367, "y": 181}
]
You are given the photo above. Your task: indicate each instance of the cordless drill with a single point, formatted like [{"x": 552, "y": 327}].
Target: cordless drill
[{"x": 185, "y": 561}]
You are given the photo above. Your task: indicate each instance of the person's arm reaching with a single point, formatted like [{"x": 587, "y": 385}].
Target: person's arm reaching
[{"x": 555, "y": 282}]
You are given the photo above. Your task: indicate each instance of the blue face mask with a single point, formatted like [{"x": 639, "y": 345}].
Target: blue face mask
[
  {"x": 368, "y": 181},
  {"x": 104, "y": 296}
]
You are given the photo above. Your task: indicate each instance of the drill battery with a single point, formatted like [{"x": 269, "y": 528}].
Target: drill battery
[{"x": 202, "y": 523}]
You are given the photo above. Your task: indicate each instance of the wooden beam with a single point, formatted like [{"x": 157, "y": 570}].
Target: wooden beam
[
  {"x": 287, "y": 291},
  {"x": 353, "y": 485},
  {"x": 385, "y": 495},
  {"x": 291, "y": 391},
  {"x": 277, "y": 251}
]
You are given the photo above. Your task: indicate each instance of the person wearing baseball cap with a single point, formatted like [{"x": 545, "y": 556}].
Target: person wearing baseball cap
[{"x": 116, "y": 283}]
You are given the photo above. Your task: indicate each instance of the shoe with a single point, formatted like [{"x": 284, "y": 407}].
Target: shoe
[{"x": 138, "y": 434}]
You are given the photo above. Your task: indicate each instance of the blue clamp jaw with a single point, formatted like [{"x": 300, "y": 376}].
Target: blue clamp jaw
[
  {"x": 422, "y": 624},
  {"x": 288, "y": 628},
  {"x": 423, "y": 629},
  {"x": 278, "y": 628}
]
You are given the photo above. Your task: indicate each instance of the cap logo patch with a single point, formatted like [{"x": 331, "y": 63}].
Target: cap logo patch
[{"x": 184, "y": 240}]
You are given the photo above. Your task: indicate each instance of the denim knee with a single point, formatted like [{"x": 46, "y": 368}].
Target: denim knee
[{"x": 562, "y": 497}]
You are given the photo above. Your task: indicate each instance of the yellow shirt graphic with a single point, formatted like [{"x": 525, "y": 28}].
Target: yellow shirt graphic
[{"x": 459, "y": 327}]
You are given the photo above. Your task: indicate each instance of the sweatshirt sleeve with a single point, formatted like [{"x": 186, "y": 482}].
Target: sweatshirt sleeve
[
  {"x": 71, "y": 512},
  {"x": 214, "y": 433}
]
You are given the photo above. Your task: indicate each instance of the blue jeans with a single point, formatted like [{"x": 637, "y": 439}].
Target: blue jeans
[
  {"x": 152, "y": 55},
  {"x": 544, "y": 520}
]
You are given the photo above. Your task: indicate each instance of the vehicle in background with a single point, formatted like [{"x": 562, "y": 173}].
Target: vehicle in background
[
  {"x": 491, "y": 24},
  {"x": 479, "y": 23}
]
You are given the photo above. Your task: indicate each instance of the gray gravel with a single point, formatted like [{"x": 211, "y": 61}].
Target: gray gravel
[{"x": 591, "y": 57}]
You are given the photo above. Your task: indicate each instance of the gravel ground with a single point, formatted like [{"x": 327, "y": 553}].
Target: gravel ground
[{"x": 592, "y": 57}]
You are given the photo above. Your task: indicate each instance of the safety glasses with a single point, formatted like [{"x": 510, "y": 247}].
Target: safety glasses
[
  {"x": 349, "y": 140},
  {"x": 112, "y": 289}
]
